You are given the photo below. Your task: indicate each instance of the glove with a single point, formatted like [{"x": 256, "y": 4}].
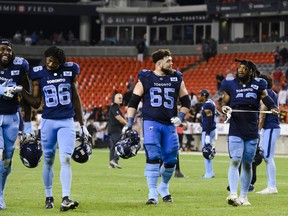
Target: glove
[
  {"x": 207, "y": 140},
  {"x": 176, "y": 121},
  {"x": 129, "y": 125},
  {"x": 125, "y": 128},
  {"x": 84, "y": 132},
  {"x": 227, "y": 110}
]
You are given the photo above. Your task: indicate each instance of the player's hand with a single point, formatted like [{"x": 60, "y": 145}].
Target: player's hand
[
  {"x": 275, "y": 111},
  {"x": 176, "y": 121},
  {"x": 227, "y": 110},
  {"x": 9, "y": 92},
  {"x": 125, "y": 128},
  {"x": 84, "y": 132},
  {"x": 207, "y": 140},
  {"x": 27, "y": 137}
]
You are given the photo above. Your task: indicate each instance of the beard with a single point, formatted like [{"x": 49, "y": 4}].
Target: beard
[
  {"x": 244, "y": 79},
  {"x": 167, "y": 71}
]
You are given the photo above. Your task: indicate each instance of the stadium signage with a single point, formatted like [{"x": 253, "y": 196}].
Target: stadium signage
[
  {"x": 122, "y": 19},
  {"x": 153, "y": 19},
  {"x": 176, "y": 18},
  {"x": 47, "y": 8},
  {"x": 249, "y": 7}
]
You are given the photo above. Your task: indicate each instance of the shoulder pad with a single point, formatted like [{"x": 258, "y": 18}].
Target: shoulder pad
[
  {"x": 37, "y": 68},
  {"x": 178, "y": 73},
  {"x": 19, "y": 61},
  {"x": 144, "y": 72},
  {"x": 68, "y": 64},
  {"x": 229, "y": 78}
]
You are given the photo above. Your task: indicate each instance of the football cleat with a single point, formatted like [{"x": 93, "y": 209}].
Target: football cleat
[
  {"x": 49, "y": 203},
  {"x": 2, "y": 204},
  {"x": 233, "y": 200},
  {"x": 151, "y": 202},
  {"x": 167, "y": 198},
  {"x": 244, "y": 201},
  {"x": 178, "y": 174},
  {"x": 268, "y": 190},
  {"x": 68, "y": 204}
]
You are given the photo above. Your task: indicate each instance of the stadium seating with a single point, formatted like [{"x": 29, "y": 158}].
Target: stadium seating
[{"x": 100, "y": 77}]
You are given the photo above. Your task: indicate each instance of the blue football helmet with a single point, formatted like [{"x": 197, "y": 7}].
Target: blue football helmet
[
  {"x": 31, "y": 152},
  {"x": 208, "y": 151},
  {"x": 82, "y": 151},
  {"x": 128, "y": 144},
  {"x": 258, "y": 156}
]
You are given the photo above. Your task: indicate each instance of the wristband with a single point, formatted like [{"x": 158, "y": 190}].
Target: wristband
[
  {"x": 181, "y": 115},
  {"x": 130, "y": 121}
]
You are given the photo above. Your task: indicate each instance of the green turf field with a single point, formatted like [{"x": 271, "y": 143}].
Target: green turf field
[{"x": 103, "y": 191}]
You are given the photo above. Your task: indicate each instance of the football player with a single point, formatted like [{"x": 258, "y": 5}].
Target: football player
[
  {"x": 160, "y": 89},
  {"x": 208, "y": 112},
  {"x": 13, "y": 76},
  {"x": 56, "y": 83},
  {"x": 271, "y": 131},
  {"x": 243, "y": 93}
]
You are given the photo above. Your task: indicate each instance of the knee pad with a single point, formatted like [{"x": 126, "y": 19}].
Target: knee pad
[{"x": 169, "y": 165}]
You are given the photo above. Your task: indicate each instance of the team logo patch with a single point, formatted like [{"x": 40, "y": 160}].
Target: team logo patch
[
  {"x": 67, "y": 73},
  {"x": 255, "y": 87},
  {"x": 15, "y": 72},
  {"x": 173, "y": 79}
]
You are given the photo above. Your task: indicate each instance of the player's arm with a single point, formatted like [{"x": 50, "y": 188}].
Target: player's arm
[
  {"x": 225, "y": 99},
  {"x": 185, "y": 106},
  {"x": 35, "y": 98},
  {"x": 269, "y": 103},
  {"x": 26, "y": 106},
  {"x": 77, "y": 102},
  {"x": 184, "y": 99},
  {"x": 262, "y": 116},
  {"x": 209, "y": 119},
  {"x": 134, "y": 102}
]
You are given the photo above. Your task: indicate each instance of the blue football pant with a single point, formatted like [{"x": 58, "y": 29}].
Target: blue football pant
[
  {"x": 61, "y": 132},
  {"x": 268, "y": 143},
  {"x": 208, "y": 163},
  {"x": 160, "y": 143},
  {"x": 240, "y": 151},
  {"x": 9, "y": 126}
]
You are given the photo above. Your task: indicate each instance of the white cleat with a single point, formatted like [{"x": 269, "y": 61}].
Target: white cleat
[
  {"x": 244, "y": 201},
  {"x": 233, "y": 200},
  {"x": 268, "y": 190}
]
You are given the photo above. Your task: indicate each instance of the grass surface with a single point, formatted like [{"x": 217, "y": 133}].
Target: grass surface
[{"x": 103, "y": 191}]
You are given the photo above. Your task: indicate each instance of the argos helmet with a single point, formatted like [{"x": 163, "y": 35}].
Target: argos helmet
[
  {"x": 208, "y": 151},
  {"x": 258, "y": 156},
  {"x": 31, "y": 152},
  {"x": 128, "y": 144},
  {"x": 82, "y": 151}
]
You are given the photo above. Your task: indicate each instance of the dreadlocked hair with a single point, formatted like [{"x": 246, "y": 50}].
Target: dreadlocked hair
[
  {"x": 250, "y": 66},
  {"x": 57, "y": 53},
  {"x": 160, "y": 54}
]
